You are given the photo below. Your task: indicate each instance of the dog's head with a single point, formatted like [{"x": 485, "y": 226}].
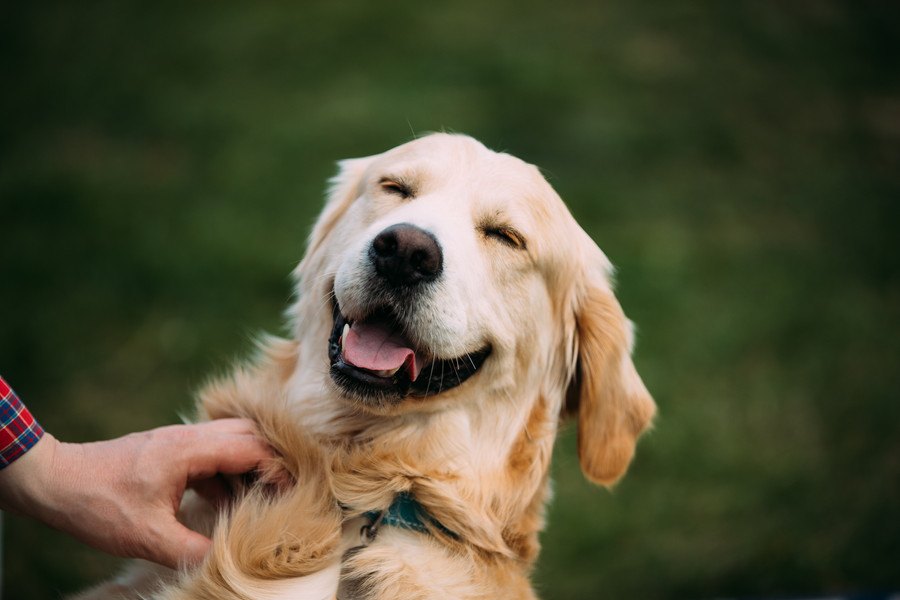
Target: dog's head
[{"x": 456, "y": 275}]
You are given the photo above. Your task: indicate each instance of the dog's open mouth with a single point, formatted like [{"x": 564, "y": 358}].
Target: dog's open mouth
[{"x": 373, "y": 358}]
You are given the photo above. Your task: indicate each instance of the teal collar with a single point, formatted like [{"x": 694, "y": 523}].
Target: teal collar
[{"x": 406, "y": 513}]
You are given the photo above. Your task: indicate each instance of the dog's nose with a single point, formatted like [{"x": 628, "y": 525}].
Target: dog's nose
[{"x": 406, "y": 255}]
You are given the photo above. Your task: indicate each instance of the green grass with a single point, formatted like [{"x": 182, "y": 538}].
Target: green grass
[{"x": 160, "y": 165}]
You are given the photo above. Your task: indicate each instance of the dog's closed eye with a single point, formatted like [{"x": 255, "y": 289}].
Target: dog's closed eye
[
  {"x": 505, "y": 234},
  {"x": 396, "y": 187}
]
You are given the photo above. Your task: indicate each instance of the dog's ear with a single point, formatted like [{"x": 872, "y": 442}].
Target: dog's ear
[
  {"x": 613, "y": 405},
  {"x": 343, "y": 189}
]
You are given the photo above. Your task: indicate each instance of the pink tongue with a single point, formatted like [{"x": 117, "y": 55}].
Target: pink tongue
[{"x": 372, "y": 346}]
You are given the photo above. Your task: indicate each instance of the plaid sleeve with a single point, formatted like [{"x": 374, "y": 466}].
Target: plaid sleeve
[{"x": 18, "y": 429}]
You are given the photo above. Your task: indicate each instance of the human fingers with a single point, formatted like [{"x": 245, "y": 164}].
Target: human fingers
[{"x": 230, "y": 453}]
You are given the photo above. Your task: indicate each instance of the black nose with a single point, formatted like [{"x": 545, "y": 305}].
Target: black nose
[{"x": 406, "y": 255}]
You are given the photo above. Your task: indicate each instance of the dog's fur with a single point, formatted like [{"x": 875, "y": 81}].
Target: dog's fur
[{"x": 521, "y": 278}]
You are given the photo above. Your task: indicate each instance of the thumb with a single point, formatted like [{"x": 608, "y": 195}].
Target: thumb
[{"x": 182, "y": 547}]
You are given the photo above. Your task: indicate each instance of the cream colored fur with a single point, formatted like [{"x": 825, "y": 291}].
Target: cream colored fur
[{"x": 475, "y": 456}]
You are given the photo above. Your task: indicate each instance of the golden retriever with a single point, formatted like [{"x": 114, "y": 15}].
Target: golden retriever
[{"x": 449, "y": 311}]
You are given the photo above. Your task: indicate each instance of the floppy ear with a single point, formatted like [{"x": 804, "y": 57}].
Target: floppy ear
[
  {"x": 343, "y": 189},
  {"x": 614, "y": 407}
]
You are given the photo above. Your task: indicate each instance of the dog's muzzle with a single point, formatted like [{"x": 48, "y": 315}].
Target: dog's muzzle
[{"x": 374, "y": 358}]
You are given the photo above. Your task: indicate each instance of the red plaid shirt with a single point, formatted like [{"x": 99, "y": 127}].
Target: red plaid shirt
[{"x": 18, "y": 429}]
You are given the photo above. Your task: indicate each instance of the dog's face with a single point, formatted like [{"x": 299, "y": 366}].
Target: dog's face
[
  {"x": 456, "y": 274},
  {"x": 440, "y": 269}
]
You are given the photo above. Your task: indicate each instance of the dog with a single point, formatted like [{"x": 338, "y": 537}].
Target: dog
[{"x": 449, "y": 312}]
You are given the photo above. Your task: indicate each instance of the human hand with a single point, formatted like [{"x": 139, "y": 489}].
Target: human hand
[{"x": 121, "y": 495}]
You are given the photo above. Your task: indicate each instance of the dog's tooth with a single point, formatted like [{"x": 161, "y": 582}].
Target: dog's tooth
[{"x": 344, "y": 333}]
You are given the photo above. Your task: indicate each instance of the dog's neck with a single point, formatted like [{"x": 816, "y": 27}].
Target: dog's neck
[{"x": 491, "y": 453}]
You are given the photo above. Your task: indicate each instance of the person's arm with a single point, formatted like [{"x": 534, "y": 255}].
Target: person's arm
[{"x": 121, "y": 495}]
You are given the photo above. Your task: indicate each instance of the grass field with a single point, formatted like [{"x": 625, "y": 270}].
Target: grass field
[{"x": 160, "y": 165}]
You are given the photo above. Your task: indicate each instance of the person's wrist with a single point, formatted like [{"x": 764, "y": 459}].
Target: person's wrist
[{"x": 26, "y": 484}]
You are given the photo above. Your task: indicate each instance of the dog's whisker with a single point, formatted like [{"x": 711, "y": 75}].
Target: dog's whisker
[
  {"x": 430, "y": 376},
  {"x": 327, "y": 300},
  {"x": 325, "y": 275}
]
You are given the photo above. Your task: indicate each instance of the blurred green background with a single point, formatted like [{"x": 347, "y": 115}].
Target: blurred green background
[{"x": 161, "y": 163}]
